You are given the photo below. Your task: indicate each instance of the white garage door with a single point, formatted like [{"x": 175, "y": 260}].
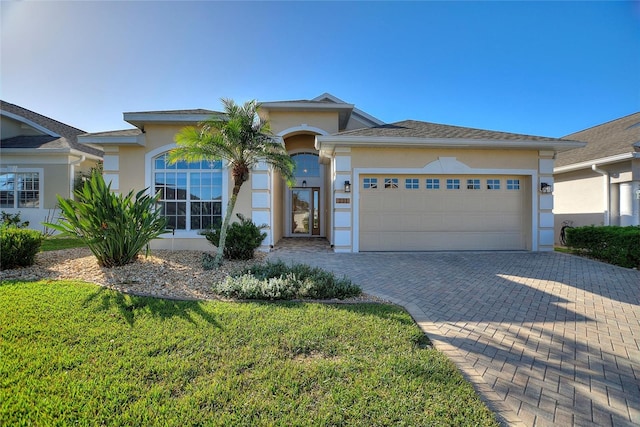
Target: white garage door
[{"x": 423, "y": 213}]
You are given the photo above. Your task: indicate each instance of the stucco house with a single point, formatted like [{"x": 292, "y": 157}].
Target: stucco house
[
  {"x": 40, "y": 158},
  {"x": 599, "y": 184},
  {"x": 363, "y": 184}
]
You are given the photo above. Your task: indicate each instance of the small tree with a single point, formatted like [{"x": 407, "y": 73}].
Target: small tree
[
  {"x": 115, "y": 227},
  {"x": 242, "y": 140}
]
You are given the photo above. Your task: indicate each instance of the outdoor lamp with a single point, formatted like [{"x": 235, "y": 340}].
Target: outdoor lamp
[
  {"x": 347, "y": 187},
  {"x": 304, "y": 184}
]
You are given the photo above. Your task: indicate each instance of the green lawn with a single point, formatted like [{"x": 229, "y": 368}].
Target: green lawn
[
  {"x": 75, "y": 353},
  {"x": 55, "y": 243}
]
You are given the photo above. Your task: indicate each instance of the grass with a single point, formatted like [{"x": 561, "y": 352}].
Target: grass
[
  {"x": 75, "y": 353},
  {"x": 55, "y": 243}
]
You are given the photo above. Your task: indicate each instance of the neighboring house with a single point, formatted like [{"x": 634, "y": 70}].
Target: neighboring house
[
  {"x": 40, "y": 158},
  {"x": 363, "y": 184},
  {"x": 599, "y": 184}
]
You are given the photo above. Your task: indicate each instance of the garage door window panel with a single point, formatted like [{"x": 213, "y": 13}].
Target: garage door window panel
[
  {"x": 513, "y": 184},
  {"x": 473, "y": 184},
  {"x": 493, "y": 184},
  {"x": 433, "y": 183},
  {"x": 411, "y": 183},
  {"x": 453, "y": 184},
  {"x": 391, "y": 183},
  {"x": 370, "y": 183}
]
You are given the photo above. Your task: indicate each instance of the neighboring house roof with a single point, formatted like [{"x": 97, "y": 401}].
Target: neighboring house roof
[
  {"x": 419, "y": 129},
  {"x": 58, "y": 135},
  {"x": 614, "y": 138}
]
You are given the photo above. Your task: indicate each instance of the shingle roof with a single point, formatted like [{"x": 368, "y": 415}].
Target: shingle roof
[
  {"x": 419, "y": 129},
  {"x": 605, "y": 140},
  {"x": 123, "y": 132},
  {"x": 68, "y": 134}
]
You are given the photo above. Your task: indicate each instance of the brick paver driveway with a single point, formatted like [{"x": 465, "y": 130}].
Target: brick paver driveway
[{"x": 546, "y": 338}]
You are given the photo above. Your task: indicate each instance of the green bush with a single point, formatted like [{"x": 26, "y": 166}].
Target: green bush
[
  {"x": 115, "y": 227},
  {"x": 279, "y": 281},
  {"x": 243, "y": 238},
  {"x": 18, "y": 246},
  {"x": 13, "y": 220},
  {"x": 612, "y": 244}
]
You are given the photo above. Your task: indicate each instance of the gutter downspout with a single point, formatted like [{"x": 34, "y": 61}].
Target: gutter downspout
[
  {"x": 72, "y": 171},
  {"x": 606, "y": 192}
]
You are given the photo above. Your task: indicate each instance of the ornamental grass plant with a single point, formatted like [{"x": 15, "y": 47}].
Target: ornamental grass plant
[{"x": 115, "y": 227}]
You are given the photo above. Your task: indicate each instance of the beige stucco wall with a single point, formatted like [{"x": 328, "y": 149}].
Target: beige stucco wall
[
  {"x": 300, "y": 142},
  {"x": 420, "y": 157},
  {"x": 327, "y": 121}
]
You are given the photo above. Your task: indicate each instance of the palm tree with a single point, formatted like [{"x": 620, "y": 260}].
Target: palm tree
[{"x": 241, "y": 139}]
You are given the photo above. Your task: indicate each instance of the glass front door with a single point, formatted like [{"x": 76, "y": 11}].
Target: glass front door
[{"x": 305, "y": 211}]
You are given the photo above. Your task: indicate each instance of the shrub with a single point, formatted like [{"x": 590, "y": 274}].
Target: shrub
[
  {"x": 276, "y": 280},
  {"x": 612, "y": 244},
  {"x": 115, "y": 227},
  {"x": 13, "y": 220},
  {"x": 18, "y": 246},
  {"x": 243, "y": 238}
]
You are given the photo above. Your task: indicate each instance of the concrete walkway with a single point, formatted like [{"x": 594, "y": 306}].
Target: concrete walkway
[{"x": 546, "y": 338}]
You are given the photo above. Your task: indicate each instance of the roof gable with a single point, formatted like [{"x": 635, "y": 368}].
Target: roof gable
[{"x": 613, "y": 138}]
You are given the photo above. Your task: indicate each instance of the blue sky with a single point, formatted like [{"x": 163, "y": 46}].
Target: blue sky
[{"x": 542, "y": 68}]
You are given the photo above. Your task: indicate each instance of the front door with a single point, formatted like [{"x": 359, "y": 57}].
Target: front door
[{"x": 305, "y": 211}]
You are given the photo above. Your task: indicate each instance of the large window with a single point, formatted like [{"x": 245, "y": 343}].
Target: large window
[
  {"x": 20, "y": 190},
  {"x": 191, "y": 193},
  {"x": 306, "y": 165}
]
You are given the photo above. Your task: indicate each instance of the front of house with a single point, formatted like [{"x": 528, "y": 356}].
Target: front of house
[{"x": 362, "y": 184}]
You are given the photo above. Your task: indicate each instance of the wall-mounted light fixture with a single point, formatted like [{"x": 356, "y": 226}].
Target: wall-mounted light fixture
[
  {"x": 304, "y": 184},
  {"x": 347, "y": 187},
  {"x": 546, "y": 188}
]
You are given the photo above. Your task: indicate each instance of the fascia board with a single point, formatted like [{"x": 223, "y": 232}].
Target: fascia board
[
  {"x": 324, "y": 142},
  {"x": 111, "y": 140},
  {"x": 600, "y": 161},
  {"x": 29, "y": 123},
  {"x": 141, "y": 118}
]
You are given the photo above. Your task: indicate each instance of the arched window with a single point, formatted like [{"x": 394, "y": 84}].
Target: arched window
[
  {"x": 307, "y": 165},
  {"x": 191, "y": 193}
]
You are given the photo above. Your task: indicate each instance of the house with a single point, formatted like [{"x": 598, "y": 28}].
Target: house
[
  {"x": 599, "y": 184},
  {"x": 40, "y": 158},
  {"x": 363, "y": 184}
]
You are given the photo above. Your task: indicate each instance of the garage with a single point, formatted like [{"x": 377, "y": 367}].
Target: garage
[{"x": 444, "y": 212}]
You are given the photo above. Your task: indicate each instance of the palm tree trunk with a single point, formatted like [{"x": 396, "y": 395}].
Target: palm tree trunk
[{"x": 225, "y": 224}]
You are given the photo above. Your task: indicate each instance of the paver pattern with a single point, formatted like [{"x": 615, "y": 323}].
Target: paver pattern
[{"x": 546, "y": 338}]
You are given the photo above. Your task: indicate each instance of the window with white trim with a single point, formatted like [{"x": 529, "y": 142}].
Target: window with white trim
[
  {"x": 368, "y": 183},
  {"x": 493, "y": 184},
  {"x": 20, "y": 190},
  {"x": 453, "y": 184},
  {"x": 411, "y": 183},
  {"x": 473, "y": 184},
  {"x": 513, "y": 184},
  {"x": 391, "y": 183},
  {"x": 433, "y": 183},
  {"x": 190, "y": 192}
]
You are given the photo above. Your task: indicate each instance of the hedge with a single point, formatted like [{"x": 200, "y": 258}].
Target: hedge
[
  {"x": 18, "y": 246},
  {"x": 612, "y": 244}
]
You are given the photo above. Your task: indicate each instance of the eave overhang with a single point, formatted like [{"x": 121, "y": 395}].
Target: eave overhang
[
  {"x": 140, "y": 119},
  {"x": 327, "y": 144},
  {"x": 599, "y": 162},
  {"x": 138, "y": 140},
  {"x": 33, "y": 152}
]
